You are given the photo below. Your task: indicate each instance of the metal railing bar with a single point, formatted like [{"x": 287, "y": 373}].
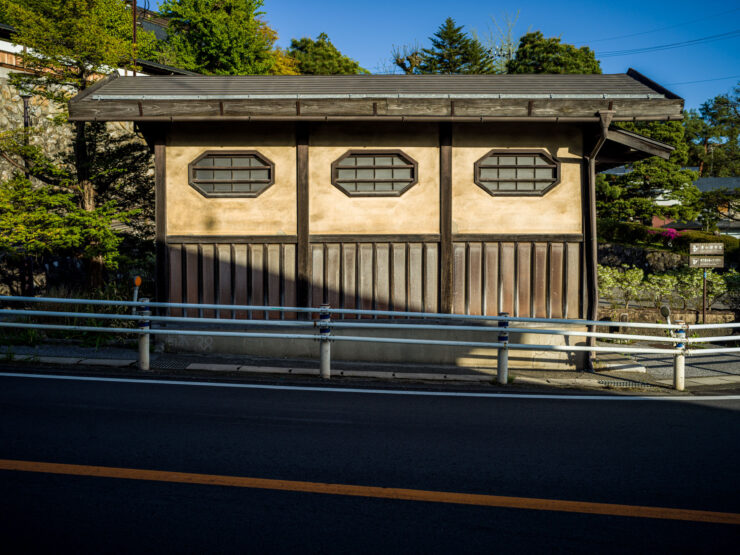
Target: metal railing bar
[
  {"x": 360, "y": 312},
  {"x": 216, "y": 333},
  {"x": 139, "y": 317},
  {"x": 345, "y": 324},
  {"x": 718, "y": 350},
  {"x": 339, "y": 324},
  {"x": 712, "y": 339},
  {"x": 714, "y": 326}
]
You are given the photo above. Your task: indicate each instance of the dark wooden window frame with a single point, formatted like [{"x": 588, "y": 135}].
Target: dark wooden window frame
[
  {"x": 554, "y": 164},
  {"x": 267, "y": 164},
  {"x": 410, "y": 163}
]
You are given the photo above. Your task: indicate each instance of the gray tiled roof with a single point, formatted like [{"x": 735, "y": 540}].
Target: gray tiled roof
[
  {"x": 379, "y": 86},
  {"x": 713, "y": 183}
]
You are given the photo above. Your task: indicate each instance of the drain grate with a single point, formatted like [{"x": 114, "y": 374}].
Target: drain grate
[
  {"x": 618, "y": 383},
  {"x": 170, "y": 364}
]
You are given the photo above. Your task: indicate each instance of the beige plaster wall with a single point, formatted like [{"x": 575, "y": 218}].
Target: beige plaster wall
[
  {"x": 271, "y": 213},
  {"x": 333, "y": 212},
  {"x": 476, "y": 211}
]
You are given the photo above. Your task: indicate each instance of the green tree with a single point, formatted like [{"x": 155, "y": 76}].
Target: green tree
[
  {"x": 720, "y": 155},
  {"x": 219, "y": 37},
  {"x": 537, "y": 54},
  {"x": 635, "y": 195},
  {"x": 38, "y": 221},
  {"x": 454, "y": 51},
  {"x": 71, "y": 44},
  {"x": 321, "y": 57}
]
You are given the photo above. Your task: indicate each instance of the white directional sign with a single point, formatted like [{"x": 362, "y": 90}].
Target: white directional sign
[
  {"x": 706, "y": 261},
  {"x": 707, "y": 248}
]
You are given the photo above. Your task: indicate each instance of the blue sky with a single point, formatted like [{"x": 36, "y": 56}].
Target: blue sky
[{"x": 366, "y": 31}]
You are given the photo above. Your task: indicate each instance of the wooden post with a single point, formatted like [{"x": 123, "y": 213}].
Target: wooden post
[
  {"x": 303, "y": 278},
  {"x": 445, "y": 217},
  {"x": 160, "y": 217}
]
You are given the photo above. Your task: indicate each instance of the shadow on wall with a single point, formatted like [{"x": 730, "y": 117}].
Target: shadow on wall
[{"x": 524, "y": 279}]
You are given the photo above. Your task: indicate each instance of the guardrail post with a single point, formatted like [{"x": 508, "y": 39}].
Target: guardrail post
[
  {"x": 144, "y": 337},
  {"x": 679, "y": 360},
  {"x": 325, "y": 341},
  {"x": 503, "y": 352}
]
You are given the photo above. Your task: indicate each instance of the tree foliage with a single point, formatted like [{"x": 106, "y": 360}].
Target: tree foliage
[
  {"x": 321, "y": 57},
  {"x": 537, "y": 54},
  {"x": 635, "y": 195},
  {"x": 72, "y": 43},
  {"x": 219, "y": 37},
  {"x": 714, "y": 135},
  {"x": 41, "y": 221},
  {"x": 452, "y": 51}
]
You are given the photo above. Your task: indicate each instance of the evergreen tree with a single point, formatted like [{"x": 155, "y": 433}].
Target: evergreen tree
[
  {"x": 321, "y": 57},
  {"x": 453, "y": 51},
  {"x": 537, "y": 54},
  {"x": 634, "y": 196},
  {"x": 70, "y": 44},
  {"x": 219, "y": 37}
]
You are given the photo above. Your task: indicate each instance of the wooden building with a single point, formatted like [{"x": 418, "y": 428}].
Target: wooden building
[{"x": 465, "y": 194}]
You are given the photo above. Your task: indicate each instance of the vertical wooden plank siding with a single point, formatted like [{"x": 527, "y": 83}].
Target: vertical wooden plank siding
[
  {"x": 175, "y": 278},
  {"x": 445, "y": 215},
  {"x": 224, "y": 279},
  {"x": 524, "y": 279},
  {"x": 507, "y": 273},
  {"x": 302, "y": 246},
  {"x": 241, "y": 282},
  {"x": 491, "y": 279},
  {"x": 573, "y": 275},
  {"x": 458, "y": 278},
  {"x": 317, "y": 275},
  {"x": 398, "y": 276},
  {"x": 192, "y": 281},
  {"x": 415, "y": 278},
  {"x": 382, "y": 276},
  {"x": 365, "y": 278},
  {"x": 257, "y": 278},
  {"x": 556, "y": 281},
  {"x": 349, "y": 276},
  {"x": 431, "y": 277},
  {"x": 273, "y": 280},
  {"x": 474, "y": 279},
  {"x": 208, "y": 283},
  {"x": 539, "y": 282},
  {"x": 333, "y": 274},
  {"x": 289, "y": 278}
]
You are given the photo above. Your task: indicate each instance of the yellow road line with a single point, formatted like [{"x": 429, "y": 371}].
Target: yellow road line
[{"x": 378, "y": 492}]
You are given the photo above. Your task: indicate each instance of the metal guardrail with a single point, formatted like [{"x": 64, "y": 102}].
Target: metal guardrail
[{"x": 323, "y": 326}]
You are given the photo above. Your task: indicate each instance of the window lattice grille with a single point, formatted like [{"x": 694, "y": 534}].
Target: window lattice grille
[
  {"x": 517, "y": 173},
  {"x": 374, "y": 173},
  {"x": 237, "y": 174}
]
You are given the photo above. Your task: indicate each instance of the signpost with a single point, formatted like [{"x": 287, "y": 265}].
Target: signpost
[{"x": 706, "y": 255}]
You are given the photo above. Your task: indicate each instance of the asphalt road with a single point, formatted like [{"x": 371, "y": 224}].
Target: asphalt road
[{"x": 670, "y": 454}]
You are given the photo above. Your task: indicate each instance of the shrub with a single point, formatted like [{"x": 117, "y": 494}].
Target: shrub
[{"x": 660, "y": 288}]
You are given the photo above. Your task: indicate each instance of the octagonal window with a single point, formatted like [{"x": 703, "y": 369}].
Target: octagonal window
[
  {"x": 244, "y": 173},
  {"x": 507, "y": 172},
  {"x": 380, "y": 173}
]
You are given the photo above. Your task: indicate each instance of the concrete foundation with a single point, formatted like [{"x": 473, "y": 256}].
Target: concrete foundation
[{"x": 482, "y": 358}]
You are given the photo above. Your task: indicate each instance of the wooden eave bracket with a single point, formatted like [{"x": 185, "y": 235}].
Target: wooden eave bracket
[{"x": 637, "y": 142}]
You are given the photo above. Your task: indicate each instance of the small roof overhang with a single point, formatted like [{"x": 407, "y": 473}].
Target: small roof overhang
[
  {"x": 463, "y": 98},
  {"x": 623, "y": 146}
]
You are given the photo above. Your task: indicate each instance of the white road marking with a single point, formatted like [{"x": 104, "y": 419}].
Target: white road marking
[{"x": 377, "y": 391}]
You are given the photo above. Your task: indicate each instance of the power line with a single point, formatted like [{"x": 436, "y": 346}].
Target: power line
[
  {"x": 705, "y": 80},
  {"x": 658, "y": 29},
  {"x": 694, "y": 42}
]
